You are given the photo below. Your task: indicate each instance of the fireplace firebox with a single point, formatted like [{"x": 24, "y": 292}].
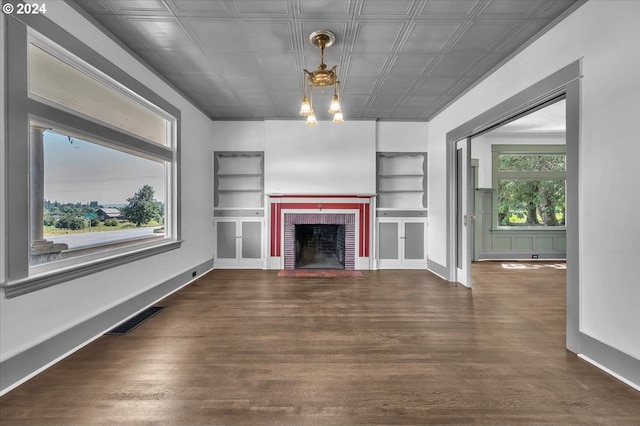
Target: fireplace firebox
[
  {"x": 344, "y": 225},
  {"x": 319, "y": 246}
]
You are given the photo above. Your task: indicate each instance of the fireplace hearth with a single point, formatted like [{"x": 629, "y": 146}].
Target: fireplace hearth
[{"x": 319, "y": 246}]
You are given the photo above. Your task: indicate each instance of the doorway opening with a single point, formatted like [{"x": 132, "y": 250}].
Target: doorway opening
[
  {"x": 518, "y": 184},
  {"x": 563, "y": 84}
]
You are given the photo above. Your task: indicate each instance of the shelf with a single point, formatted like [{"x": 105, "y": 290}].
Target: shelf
[
  {"x": 238, "y": 209},
  {"x": 395, "y": 208},
  {"x": 239, "y": 180},
  {"x": 401, "y": 180},
  {"x": 398, "y": 213}
]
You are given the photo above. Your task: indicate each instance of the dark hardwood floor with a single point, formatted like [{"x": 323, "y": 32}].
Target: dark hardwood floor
[{"x": 391, "y": 347}]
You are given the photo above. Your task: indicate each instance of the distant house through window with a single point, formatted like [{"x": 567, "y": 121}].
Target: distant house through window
[
  {"x": 102, "y": 155},
  {"x": 90, "y": 196},
  {"x": 87, "y": 174},
  {"x": 108, "y": 213}
]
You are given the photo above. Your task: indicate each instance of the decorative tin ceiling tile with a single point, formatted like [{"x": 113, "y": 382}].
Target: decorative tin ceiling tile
[
  {"x": 429, "y": 37},
  {"x": 198, "y": 7},
  {"x": 397, "y": 59},
  {"x": 448, "y": 7}
]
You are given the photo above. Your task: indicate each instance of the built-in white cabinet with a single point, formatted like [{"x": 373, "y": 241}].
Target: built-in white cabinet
[
  {"x": 401, "y": 234},
  {"x": 238, "y": 209},
  {"x": 401, "y": 243},
  {"x": 239, "y": 243}
]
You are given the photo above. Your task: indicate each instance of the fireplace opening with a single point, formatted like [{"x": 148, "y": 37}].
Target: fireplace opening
[{"x": 319, "y": 246}]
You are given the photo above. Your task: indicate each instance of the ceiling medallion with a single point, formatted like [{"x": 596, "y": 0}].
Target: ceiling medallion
[{"x": 321, "y": 77}]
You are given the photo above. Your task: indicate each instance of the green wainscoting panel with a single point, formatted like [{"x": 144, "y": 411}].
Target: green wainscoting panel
[
  {"x": 516, "y": 242},
  {"x": 502, "y": 243},
  {"x": 523, "y": 243},
  {"x": 544, "y": 243}
]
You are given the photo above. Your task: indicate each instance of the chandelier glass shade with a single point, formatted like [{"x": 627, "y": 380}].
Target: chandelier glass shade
[{"x": 321, "y": 77}]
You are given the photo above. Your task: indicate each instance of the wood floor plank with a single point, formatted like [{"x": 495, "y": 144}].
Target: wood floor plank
[{"x": 392, "y": 347}]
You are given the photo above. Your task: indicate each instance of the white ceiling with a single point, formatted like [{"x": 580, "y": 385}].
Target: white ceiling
[
  {"x": 397, "y": 59},
  {"x": 550, "y": 119}
]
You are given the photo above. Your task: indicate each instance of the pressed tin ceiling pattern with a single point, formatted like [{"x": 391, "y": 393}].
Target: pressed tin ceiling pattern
[{"x": 397, "y": 59}]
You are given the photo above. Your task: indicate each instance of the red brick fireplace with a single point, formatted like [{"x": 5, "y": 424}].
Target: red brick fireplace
[
  {"x": 291, "y": 220},
  {"x": 353, "y": 212}
]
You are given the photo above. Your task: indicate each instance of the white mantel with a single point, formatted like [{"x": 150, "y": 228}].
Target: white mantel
[{"x": 359, "y": 207}]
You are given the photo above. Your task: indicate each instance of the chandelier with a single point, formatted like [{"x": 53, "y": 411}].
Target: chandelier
[{"x": 321, "y": 77}]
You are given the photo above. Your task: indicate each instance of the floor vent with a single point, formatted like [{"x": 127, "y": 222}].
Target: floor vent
[{"x": 135, "y": 321}]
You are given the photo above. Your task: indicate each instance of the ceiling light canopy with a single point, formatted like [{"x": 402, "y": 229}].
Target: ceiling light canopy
[{"x": 321, "y": 77}]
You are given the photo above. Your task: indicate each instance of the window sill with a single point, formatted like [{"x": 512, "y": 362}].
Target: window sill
[
  {"x": 541, "y": 228},
  {"x": 38, "y": 282}
]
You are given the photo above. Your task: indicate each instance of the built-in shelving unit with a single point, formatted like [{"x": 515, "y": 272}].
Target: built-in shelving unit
[
  {"x": 239, "y": 180},
  {"x": 402, "y": 180},
  {"x": 239, "y": 209},
  {"x": 401, "y": 214}
]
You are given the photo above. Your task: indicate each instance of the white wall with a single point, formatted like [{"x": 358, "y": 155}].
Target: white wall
[
  {"x": 30, "y": 319},
  {"x": 326, "y": 159},
  {"x": 394, "y": 136},
  {"x": 238, "y": 135},
  {"x": 606, "y": 35},
  {"x": 343, "y": 155}
]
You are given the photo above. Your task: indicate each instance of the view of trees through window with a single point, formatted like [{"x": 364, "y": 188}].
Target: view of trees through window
[
  {"x": 530, "y": 201},
  {"x": 91, "y": 188},
  {"x": 142, "y": 210}
]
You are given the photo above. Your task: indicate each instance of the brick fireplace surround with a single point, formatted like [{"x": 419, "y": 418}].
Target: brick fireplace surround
[
  {"x": 293, "y": 219},
  {"x": 351, "y": 211}
]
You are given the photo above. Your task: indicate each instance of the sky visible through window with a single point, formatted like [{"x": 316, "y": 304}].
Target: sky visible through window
[{"x": 76, "y": 171}]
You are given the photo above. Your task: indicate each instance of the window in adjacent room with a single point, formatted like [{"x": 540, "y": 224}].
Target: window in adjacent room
[{"x": 530, "y": 182}]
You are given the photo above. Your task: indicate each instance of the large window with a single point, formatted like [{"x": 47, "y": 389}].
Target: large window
[
  {"x": 96, "y": 198},
  {"x": 100, "y": 152},
  {"x": 530, "y": 182}
]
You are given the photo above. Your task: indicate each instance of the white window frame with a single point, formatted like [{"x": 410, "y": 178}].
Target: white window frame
[{"x": 21, "y": 278}]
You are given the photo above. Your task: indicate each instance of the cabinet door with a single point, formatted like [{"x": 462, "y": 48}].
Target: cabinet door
[
  {"x": 251, "y": 240},
  {"x": 402, "y": 243},
  {"x": 388, "y": 237},
  {"x": 414, "y": 241},
  {"x": 238, "y": 243},
  {"x": 226, "y": 241}
]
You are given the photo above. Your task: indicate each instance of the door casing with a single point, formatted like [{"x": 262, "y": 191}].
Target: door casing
[{"x": 564, "y": 82}]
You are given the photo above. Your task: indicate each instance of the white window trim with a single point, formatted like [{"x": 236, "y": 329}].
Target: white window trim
[
  {"x": 18, "y": 278},
  {"x": 70, "y": 59}
]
